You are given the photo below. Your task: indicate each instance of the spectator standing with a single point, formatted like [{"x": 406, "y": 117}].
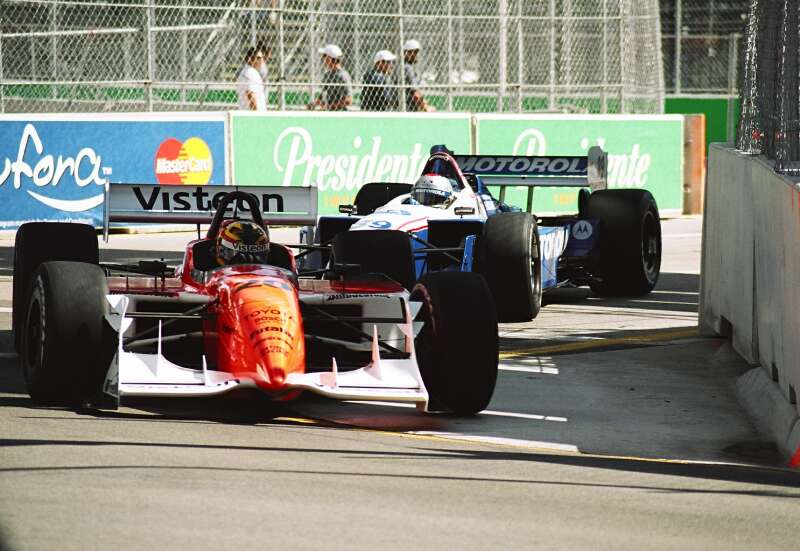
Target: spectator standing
[
  {"x": 414, "y": 99},
  {"x": 378, "y": 93},
  {"x": 250, "y": 84},
  {"x": 337, "y": 86}
]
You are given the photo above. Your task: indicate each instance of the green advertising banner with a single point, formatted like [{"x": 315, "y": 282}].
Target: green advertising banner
[
  {"x": 644, "y": 151},
  {"x": 339, "y": 152}
]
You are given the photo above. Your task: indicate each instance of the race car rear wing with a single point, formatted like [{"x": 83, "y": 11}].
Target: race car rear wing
[
  {"x": 508, "y": 170},
  {"x": 176, "y": 204}
]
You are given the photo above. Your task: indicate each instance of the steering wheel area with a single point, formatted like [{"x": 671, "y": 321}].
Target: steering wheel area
[{"x": 242, "y": 198}]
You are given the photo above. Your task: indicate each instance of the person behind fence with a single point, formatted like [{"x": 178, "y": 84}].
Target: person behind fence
[
  {"x": 379, "y": 93},
  {"x": 337, "y": 86},
  {"x": 250, "y": 84},
  {"x": 414, "y": 99}
]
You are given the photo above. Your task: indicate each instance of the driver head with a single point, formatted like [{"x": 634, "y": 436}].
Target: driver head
[
  {"x": 241, "y": 242},
  {"x": 433, "y": 190}
]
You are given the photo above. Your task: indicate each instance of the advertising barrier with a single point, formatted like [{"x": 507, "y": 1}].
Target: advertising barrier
[
  {"x": 55, "y": 167},
  {"x": 339, "y": 152},
  {"x": 644, "y": 151}
]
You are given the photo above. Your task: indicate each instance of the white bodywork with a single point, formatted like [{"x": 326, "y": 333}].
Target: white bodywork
[{"x": 139, "y": 374}]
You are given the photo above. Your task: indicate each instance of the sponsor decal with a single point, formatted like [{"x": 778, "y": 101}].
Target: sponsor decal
[
  {"x": 152, "y": 198},
  {"x": 346, "y": 296},
  {"x": 294, "y": 158},
  {"x": 582, "y": 230},
  {"x": 46, "y": 171},
  {"x": 540, "y": 166},
  {"x": 187, "y": 163}
]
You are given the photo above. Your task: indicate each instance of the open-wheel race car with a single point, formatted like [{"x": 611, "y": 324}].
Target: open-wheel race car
[
  {"x": 612, "y": 242},
  {"x": 235, "y": 314}
]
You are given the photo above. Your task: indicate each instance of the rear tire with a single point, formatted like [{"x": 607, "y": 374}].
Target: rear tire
[
  {"x": 629, "y": 256},
  {"x": 38, "y": 242},
  {"x": 385, "y": 252},
  {"x": 63, "y": 351},
  {"x": 511, "y": 263},
  {"x": 457, "y": 348}
]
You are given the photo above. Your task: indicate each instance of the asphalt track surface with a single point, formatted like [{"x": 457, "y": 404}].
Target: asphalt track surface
[{"x": 613, "y": 426}]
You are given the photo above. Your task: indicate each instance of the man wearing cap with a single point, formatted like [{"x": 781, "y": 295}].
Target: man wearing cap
[
  {"x": 378, "y": 93},
  {"x": 414, "y": 99},
  {"x": 337, "y": 86},
  {"x": 250, "y": 83}
]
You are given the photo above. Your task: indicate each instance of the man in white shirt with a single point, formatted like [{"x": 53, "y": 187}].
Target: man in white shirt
[{"x": 250, "y": 84}]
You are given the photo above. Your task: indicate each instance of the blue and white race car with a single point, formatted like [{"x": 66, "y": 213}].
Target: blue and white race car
[{"x": 449, "y": 220}]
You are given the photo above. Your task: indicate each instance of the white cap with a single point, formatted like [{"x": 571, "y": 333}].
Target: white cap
[
  {"x": 384, "y": 55},
  {"x": 411, "y": 45},
  {"x": 332, "y": 51}
]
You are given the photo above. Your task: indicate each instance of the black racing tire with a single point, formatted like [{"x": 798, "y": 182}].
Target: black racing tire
[
  {"x": 38, "y": 242},
  {"x": 64, "y": 353},
  {"x": 628, "y": 259},
  {"x": 457, "y": 347},
  {"x": 385, "y": 252},
  {"x": 511, "y": 263}
]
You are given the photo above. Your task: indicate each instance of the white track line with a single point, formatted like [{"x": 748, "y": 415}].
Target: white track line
[{"x": 532, "y": 416}]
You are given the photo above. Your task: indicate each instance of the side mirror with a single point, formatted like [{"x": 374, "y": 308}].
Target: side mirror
[
  {"x": 463, "y": 211},
  {"x": 347, "y": 209}
]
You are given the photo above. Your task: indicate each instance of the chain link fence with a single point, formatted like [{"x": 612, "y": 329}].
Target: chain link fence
[
  {"x": 770, "y": 97},
  {"x": 483, "y": 56},
  {"x": 701, "y": 42}
]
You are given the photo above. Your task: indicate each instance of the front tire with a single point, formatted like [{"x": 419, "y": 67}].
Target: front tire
[
  {"x": 628, "y": 261},
  {"x": 38, "y": 242},
  {"x": 512, "y": 265},
  {"x": 457, "y": 348},
  {"x": 64, "y": 357}
]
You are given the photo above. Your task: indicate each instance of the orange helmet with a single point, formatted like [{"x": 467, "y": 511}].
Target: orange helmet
[{"x": 242, "y": 242}]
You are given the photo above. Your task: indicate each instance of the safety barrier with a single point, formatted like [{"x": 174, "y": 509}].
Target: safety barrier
[
  {"x": 53, "y": 167},
  {"x": 751, "y": 272}
]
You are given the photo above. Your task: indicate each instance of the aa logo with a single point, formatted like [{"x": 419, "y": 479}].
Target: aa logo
[{"x": 582, "y": 230}]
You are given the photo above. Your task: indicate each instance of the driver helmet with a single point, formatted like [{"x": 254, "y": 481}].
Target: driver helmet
[
  {"x": 433, "y": 190},
  {"x": 241, "y": 242}
]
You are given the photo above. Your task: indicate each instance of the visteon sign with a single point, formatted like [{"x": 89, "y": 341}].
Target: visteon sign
[{"x": 339, "y": 152}]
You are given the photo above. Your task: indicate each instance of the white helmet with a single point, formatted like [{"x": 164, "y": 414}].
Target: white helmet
[{"x": 433, "y": 190}]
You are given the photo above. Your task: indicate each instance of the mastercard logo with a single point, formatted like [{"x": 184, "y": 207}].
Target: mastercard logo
[{"x": 188, "y": 162}]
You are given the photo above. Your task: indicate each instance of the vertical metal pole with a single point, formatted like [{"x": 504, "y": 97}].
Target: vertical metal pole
[
  {"x": 150, "y": 52},
  {"x": 461, "y": 47},
  {"x": 2, "y": 84},
  {"x": 520, "y": 56},
  {"x": 402, "y": 65},
  {"x": 282, "y": 60},
  {"x": 678, "y": 46},
  {"x": 503, "y": 51},
  {"x": 54, "y": 65},
  {"x": 622, "y": 60},
  {"x": 733, "y": 64},
  {"x": 358, "y": 68},
  {"x": 449, "y": 55},
  {"x": 184, "y": 49},
  {"x": 604, "y": 89},
  {"x": 253, "y": 29},
  {"x": 551, "y": 100}
]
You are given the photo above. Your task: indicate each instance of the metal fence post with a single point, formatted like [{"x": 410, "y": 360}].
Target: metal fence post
[
  {"x": 622, "y": 61},
  {"x": 603, "y": 90},
  {"x": 733, "y": 65},
  {"x": 520, "y": 57},
  {"x": 678, "y": 46},
  {"x": 551, "y": 100},
  {"x": 150, "y": 52},
  {"x": 2, "y": 79},
  {"x": 449, "y": 55},
  {"x": 502, "y": 8},
  {"x": 282, "y": 60},
  {"x": 401, "y": 34}
]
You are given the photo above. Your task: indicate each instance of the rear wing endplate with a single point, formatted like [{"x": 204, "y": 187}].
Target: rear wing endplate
[{"x": 181, "y": 204}]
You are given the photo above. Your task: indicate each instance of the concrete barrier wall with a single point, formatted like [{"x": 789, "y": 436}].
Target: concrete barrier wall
[{"x": 750, "y": 283}]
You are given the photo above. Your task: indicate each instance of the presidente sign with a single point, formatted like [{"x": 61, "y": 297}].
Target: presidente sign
[
  {"x": 55, "y": 168},
  {"x": 644, "y": 151},
  {"x": 339, "y": 152}
]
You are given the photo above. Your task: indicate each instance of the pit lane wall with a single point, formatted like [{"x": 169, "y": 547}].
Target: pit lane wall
[
  {"x": 53, "y": 167},
  {"x": 750, "y": 280}
]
